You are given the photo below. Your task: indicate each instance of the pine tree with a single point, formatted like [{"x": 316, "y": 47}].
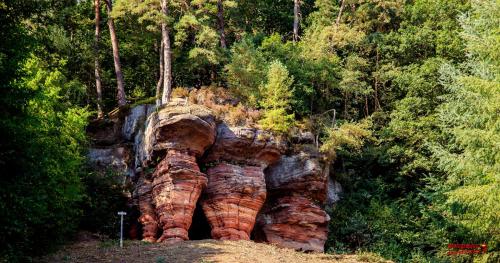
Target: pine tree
[
  {"x": 116, "y": 57},
  {"x": 97, "y": 68},
  {"x": 276, "y": 99},
  {"x": 470, "y": 121}
]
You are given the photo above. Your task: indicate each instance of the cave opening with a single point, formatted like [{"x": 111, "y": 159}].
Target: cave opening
[{"x": 200, "y": 228}]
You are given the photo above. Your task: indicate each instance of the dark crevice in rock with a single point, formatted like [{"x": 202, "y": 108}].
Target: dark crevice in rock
[{"x": 200, "y": 228}]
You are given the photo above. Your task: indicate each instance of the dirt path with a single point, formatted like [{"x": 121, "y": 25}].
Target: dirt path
[{"x": 202, "y": 251}]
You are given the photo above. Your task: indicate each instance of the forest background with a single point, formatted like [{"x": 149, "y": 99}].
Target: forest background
[{"x": 403, "y": 96}]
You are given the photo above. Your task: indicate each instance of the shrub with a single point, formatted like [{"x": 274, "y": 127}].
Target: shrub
[{"x": 276, "y": 99}]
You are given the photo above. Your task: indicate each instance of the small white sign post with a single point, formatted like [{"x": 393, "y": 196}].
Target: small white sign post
[{"x": 121, "y": 214}]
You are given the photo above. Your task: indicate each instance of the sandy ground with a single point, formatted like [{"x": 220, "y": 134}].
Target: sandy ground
[{"x": 201, "y": 251}]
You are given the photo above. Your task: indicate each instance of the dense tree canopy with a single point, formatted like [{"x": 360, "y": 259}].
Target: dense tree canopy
[{"x": 403, "y": 96}]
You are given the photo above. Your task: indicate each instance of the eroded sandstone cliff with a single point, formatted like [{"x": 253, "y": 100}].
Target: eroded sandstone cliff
[
  {"x": 249, "y": 184},
  {"x": 174, "y": 138}
]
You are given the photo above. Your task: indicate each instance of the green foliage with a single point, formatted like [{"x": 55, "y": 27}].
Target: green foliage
[
  {"x": 276, "y": 95},
  {"x": 413, "y": 86},
  {"x": 349, "y": 136},
  {"x": 41, "y": 178},
  {"x": 470, "y": 122},
  {"x": 429, "y": 174},
  {"x": 104, "y": 196},
  {"x": 245, "y": 73}
]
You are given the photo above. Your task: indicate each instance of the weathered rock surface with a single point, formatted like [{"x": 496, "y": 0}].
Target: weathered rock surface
[
  {"x": 292, "y": 216},
  {"x": 134, "y": 121},
  {"x": 243, "y": 145},
  {"x": 248, "y": 184},
  {"x": 175, "y": 136},
  {"x": 177, "y": 185},
  {"x": 184, "y": 128},
  {"x": 105, "y": 132},
  {"x": 232, "y": 200},
  {"x": 294, "y": 222},
  {"x": 116, "y": 158},
  {"x": 333, "y": 192},
  {"x": 299, "y": 174},
  {"x": 148, "y": 218},
  {"x": 236, "y": 185}
]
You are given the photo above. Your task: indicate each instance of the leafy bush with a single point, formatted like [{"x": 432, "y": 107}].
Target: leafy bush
[
  {"x": 41, "y": 164},
  {"x": 104, "y": 197}
]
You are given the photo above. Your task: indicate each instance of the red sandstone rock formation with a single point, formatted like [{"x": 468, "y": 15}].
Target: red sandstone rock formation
[
  {"x": 236, "y": 189},
  {"x": 294, "y": 222},
  {"x": 184, "y": 128},
  {"x": 233, "y": 199},
  {"x": 244, "y": 145},
  {"x": 299, "y": 174},
  {"x": 176, "y": 135},
  {"x": 292, "y": 217},
  {"x": 236, "y": 186},
  {"x": 177, "y": 185},
  {"x": 148, "y": 217}
]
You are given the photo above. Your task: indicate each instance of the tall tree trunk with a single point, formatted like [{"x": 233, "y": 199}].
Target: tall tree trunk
[
  {"x": 346, "y": 113},
  {"x": 220, "y": 20},
  {"x": 296, "y": 20},
  {"x": 116, "y": 56},
  {"x": 367, "y": 110},
  {"x": 159, "y": 85},
  {"x": 342, "y": 5},
  {"x": 377, "y": 102},
  {"x": 97, "y": 68},
  {"x": 167, "y": 77}
]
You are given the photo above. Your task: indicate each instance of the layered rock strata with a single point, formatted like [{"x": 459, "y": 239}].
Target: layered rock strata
[
  {"x": 294, "y": 222},
  {"x": 177, "y": 185},
  {"x": 299, "y": 174},
  {"x": 292, "y": 216},
  {"x": 175, "y": 136},
  {"x": 232, "y": 200},
  {"x": 236, "y": 187},
  {"x": 247, "y": 182},
  {"x": 148, "y": 218}
]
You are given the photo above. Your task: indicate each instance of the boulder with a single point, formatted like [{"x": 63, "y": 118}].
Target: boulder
[
  {"x": 185, "y": 128},
  {"x": 248, "y": 146},
  {"x": 292, "y": 216}
]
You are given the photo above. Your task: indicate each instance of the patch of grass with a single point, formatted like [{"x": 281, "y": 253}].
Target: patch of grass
[{"x": 370, "y": 257}]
